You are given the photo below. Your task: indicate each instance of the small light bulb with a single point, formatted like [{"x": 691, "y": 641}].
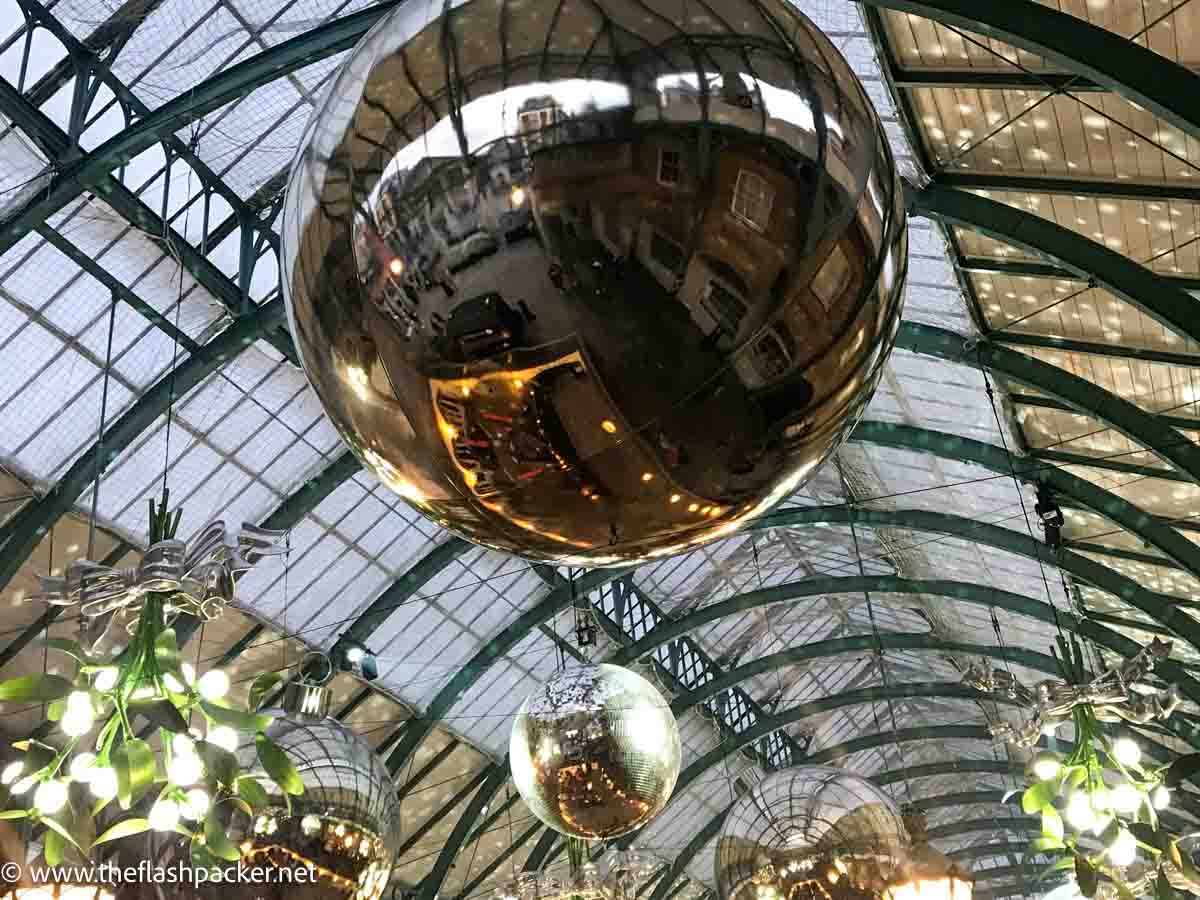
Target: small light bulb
[
  {"x": 103, "y": 783},
  {"x": 1079, "y": 811},
  {"x": 106, "y": 679},
  {"x": 185, "y": 769},
  {"x": 1050, "y": 727},
  {"x": 355, "y": 655},
  {"x": 1161, "y": 797},
  {"x": 50, "y": 797},
  {"x": 1046, "y": 766},
  {"x": 1126, "y": 751},
  {"x": 1123, "y": 849},
  {"x": 183, "y": 745},
  {"x": 24, "y": 785},
  {"x": 196, "y": 803},
  {"x": 12, "y": 771},
  {"x": 224, "y": 737},
  {"x": 173, "y": 684},
  {"x": 164, "y": 815},
  {"x": 77, "y": 722},
  {"x": 189, "y": 673},
  {"x": 80, "y": 700},
  {"x": 1125, "y": 798},
  {"x": 213, "y": 685},
  {"x": 1100, "y": 799},
  {"x": 310, "y": 824},
  {"x": 81, "y": 766}
]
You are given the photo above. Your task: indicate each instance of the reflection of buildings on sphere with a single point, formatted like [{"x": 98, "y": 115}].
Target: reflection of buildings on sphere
[
  {"x": 595, "y": 752},
  {"x": 647, "y": 303},
  {"x": 811, "y": 833}
]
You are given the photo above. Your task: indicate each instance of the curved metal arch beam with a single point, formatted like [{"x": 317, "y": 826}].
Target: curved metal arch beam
[
  {"x": 1135, "y": 423},
  {"x": 230, "y": 84},
  {"x": 1157, "y": 606},
  {"x": 959, "y": 591},
  {"x": 1154, "y": 295},
  {"x": 1100, "y": 501},
  {"x": 21, "y": 534},
  {"x": 1107, "y": 58}
]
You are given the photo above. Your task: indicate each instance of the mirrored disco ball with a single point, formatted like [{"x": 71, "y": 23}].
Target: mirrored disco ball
[
  {"x": 595, "y": 751},
  {"x": 594, "y": 280},
  {"x": 812, "y": 833},
  {"x": 343, "y": 830}
]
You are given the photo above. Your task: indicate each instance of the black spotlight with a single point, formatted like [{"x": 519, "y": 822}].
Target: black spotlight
[{"x": 1052, "y": 517}]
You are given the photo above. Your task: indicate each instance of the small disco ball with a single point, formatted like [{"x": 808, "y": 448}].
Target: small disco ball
[
  {"x": 811, "y": 833},
  {"x": 338, "y": 839},
  {"x": 598, "y": 287},
  {"x": 595, "y": 751}
]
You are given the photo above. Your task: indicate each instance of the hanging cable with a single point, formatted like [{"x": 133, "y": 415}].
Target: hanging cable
[{"x": 91, "y": 546}]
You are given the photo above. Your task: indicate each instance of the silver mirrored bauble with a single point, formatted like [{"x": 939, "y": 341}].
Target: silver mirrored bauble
[
  {"x": 812, "y": 833},
  {"x": 346, "y": 824},
  {"x": 594, "y": 280},
  {"x": 595, "y": 751}
]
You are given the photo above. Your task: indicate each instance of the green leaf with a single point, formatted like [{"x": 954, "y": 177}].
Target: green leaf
[
  {"x": 218, "y": 842},
  {"x": 1086, "y": 877},
  {"x": 1052, "y": 824},
  {"x": 1037, "y": 797},
  {"x": 1074, "y": 777},
  {"x": 1181, "y": 769},
  {"x": 1123, "y": 892},
  {"x": 134, "y": 763},
  {"x": 202, "y": 858},
  {"x": 220, "y": 765},
  {"x": 252, "y": 792},
  {"x": 55, "y": 845},
  {"x": 64, "y": 645},
  {"x": 1042, "y": 844},
  {"x": 35, "y": 687},
  {"x": 1162, "y": 887},
  {"x": 54, "y": 712},
  {"x": 60, "y": 829},
  {"x": 240, "y": 804},
  {"x": 124, "y": 828},
  {"x": 261, "y": 686},
  {"x": 161, "y": 714},
  {"x": 278, "y": 766},
  {"x": 15, "y": 814},
  {"x": 38, "y": 755},
  {"x": 234, "y": 718},
  {"x": 166, "y": 650}
]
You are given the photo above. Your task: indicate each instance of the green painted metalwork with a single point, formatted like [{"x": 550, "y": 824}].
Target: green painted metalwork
[
  {"x": 500, "y": 859},
  {"x": 1019, "y": 399},
  {"x": 432, "y": 882},
  {"x": 1022, "y": 268},
  {"x": 1005, "y": 848},
  {"x": 1117, "y": 351},
  {"x": 400, "y": 592},
  {"x": 1011, "y": 80},
  {"x": 1109, "y": 465},
  {"x": 21, "y": 533},
  {"x": 432, "y": 763},
  {"x": 1106, "y": 57},
  {"x": 425, "y": 827},
  {"x": 697, "y": 843},
  {"x": 1159, "y": 606},
  {"x": 1127, "y": 189},
  {"x": 1155, "y": 296},
  {"x": 92, "y": 171},
  {"x": 1018, "y": 824},
  {"x": 555, "y": 601},
  {"x": 312, "y": 493},
  {"x": 1098, "y": 500}
]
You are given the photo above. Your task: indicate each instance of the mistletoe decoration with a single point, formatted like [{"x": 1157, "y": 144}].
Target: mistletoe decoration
[
  {"x": 1100, "y": 805},
  {"x": 128, "y": 737}
]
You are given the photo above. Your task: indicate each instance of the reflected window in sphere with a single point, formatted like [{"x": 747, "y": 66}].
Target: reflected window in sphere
[{"x": 528, "y": 266}]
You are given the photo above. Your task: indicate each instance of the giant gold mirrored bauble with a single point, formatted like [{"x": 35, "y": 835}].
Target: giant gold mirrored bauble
[
  {"x": 812, "y": 833},
  {"x": 594, "y": 280},
  {"x": 595, "y": 751}
]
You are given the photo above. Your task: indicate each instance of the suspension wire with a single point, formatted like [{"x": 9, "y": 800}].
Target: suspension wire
[
  {"x": 881, "y": 659},
  {"x": 91, "y": 546},
  {"x": 991, "y": 395}
]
